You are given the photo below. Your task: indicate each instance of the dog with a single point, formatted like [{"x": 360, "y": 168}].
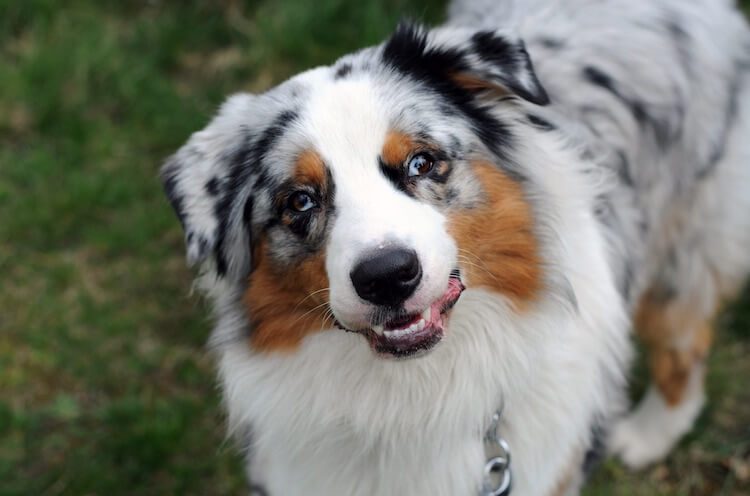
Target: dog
[{"x": 426, "y": 260}]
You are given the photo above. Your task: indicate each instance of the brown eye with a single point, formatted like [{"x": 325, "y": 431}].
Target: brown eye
[
  {"x": 420, "y": 164},
  {"x": 301, "y": 201}
]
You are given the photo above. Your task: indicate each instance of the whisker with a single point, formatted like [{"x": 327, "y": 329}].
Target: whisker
[
  {"x": 482, "y": 266},
  {"x": 309, "y": 296},
  {"x": 309, "y": 312},
  {"x": 329, "y": 317},
  {"x": 483, "y": 269},
  {"x": 476, "y": 257},
  {"x": 327, "y": 320}
]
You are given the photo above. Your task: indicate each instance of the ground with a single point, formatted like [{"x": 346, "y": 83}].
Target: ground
[{"x": 107, "y": 387}]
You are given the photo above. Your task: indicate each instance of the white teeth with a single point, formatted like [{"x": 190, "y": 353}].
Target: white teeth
[{"x": 399, "y": 333}]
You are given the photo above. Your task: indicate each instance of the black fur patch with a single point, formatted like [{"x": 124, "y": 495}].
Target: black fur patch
[
  {"x": 451, "y": 195},
  {"x": 257, "y": 490},
  {"x": 343, "y": 71},
  {"x": 597, "y": 450},
  {"x": 551, "y": 43},
  {"x": 202, "y": 246},
  {"x": 212, "y": 186},
  {"x": 600, "y": 78},
  {"x": 407, "y": 52},
  {"x": 663, "y": 132},
  {"x": 512, "y": 58},
  {"x": 626, "y": 281},
  {"x": 247, "y": 160},
  {"x": 331, "y": 196},
  {"x": 300, "y": 224},
  {"x": 495, "y": 50},
  {"x": 395, "y": 175},
  {"x": 247, "y": 222},
  {"x": 623, "y": 169},
  {"x": 541, "y": 123},
  {"x": 681, "y": 41}
]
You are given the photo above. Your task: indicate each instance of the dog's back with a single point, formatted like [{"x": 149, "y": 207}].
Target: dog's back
[{"x": 658, "y": 93}]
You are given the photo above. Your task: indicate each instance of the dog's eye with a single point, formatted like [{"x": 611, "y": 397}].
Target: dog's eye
[
  {"x": 301, "y": 201},
  {"x": 420, "y": 164}
]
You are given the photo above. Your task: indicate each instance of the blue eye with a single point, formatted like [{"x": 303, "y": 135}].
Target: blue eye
[
  {"x": 420, "y": 164},
  {"x": 301, "y": 201}
]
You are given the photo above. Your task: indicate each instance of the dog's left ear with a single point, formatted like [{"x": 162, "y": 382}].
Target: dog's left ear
[{"x": 492, "y": 63}]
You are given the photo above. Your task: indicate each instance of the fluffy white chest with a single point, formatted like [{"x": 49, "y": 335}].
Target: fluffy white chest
[{"x": 334, "y": 419}]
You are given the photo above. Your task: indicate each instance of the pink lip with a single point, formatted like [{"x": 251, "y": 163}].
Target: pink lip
[{"x": 419, "y": 332}]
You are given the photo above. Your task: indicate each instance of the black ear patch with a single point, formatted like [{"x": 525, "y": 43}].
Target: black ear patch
[
  {"x": 487, "y": 58},
  {"x": 406, "y": 50},
  {"x": 516, "y": 69}
]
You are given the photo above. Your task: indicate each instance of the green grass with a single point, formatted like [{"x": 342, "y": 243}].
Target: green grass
[{"x": 106, "y": 386}]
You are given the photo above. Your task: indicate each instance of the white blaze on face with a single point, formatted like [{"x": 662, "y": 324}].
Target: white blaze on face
[{"x": 347, "y": 122}]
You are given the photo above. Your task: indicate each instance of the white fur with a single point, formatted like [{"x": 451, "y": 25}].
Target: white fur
[{"x": 651, "y": 431}]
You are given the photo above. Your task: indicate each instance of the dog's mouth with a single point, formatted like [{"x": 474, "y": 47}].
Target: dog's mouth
[{"x": 408, "y": 335}]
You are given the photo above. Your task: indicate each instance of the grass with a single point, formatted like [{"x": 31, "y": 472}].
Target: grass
[{"x": 106, "y": 387}]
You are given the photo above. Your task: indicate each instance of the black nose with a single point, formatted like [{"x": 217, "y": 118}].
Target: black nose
[{"x": 387, "y": 277}]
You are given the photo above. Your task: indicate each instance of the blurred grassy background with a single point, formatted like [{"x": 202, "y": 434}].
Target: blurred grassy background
[{"x": 105, "y": 385}]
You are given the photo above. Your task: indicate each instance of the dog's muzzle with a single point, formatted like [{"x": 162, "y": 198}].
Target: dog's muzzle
[{"x": 394, "y": 332}]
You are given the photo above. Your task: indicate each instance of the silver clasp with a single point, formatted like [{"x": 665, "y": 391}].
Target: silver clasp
[{"x": 497, "y": 479}]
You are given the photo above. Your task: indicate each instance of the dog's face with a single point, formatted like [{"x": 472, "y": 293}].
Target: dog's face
[{"x": 365, "y": 195}]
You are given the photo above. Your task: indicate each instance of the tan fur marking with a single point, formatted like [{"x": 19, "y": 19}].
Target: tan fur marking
[
  {"x": 677, "y": 340},
  {"x": 397, "y": 148},
  {"x": 497, "y": 246},
  {"x": 310, "y": 169},
  {"x": 284, "y": 306},
  {"x": 442, "y": 168},
  {"x": 473, "y": 83}
]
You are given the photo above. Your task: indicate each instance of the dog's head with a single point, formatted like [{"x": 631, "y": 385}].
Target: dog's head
[{"x": 365, "y": 195}]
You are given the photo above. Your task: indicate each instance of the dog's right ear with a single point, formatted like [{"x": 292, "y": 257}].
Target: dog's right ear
[
  {"x": 481, "y": 63},
  {"x": 196, "y": 179}
]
